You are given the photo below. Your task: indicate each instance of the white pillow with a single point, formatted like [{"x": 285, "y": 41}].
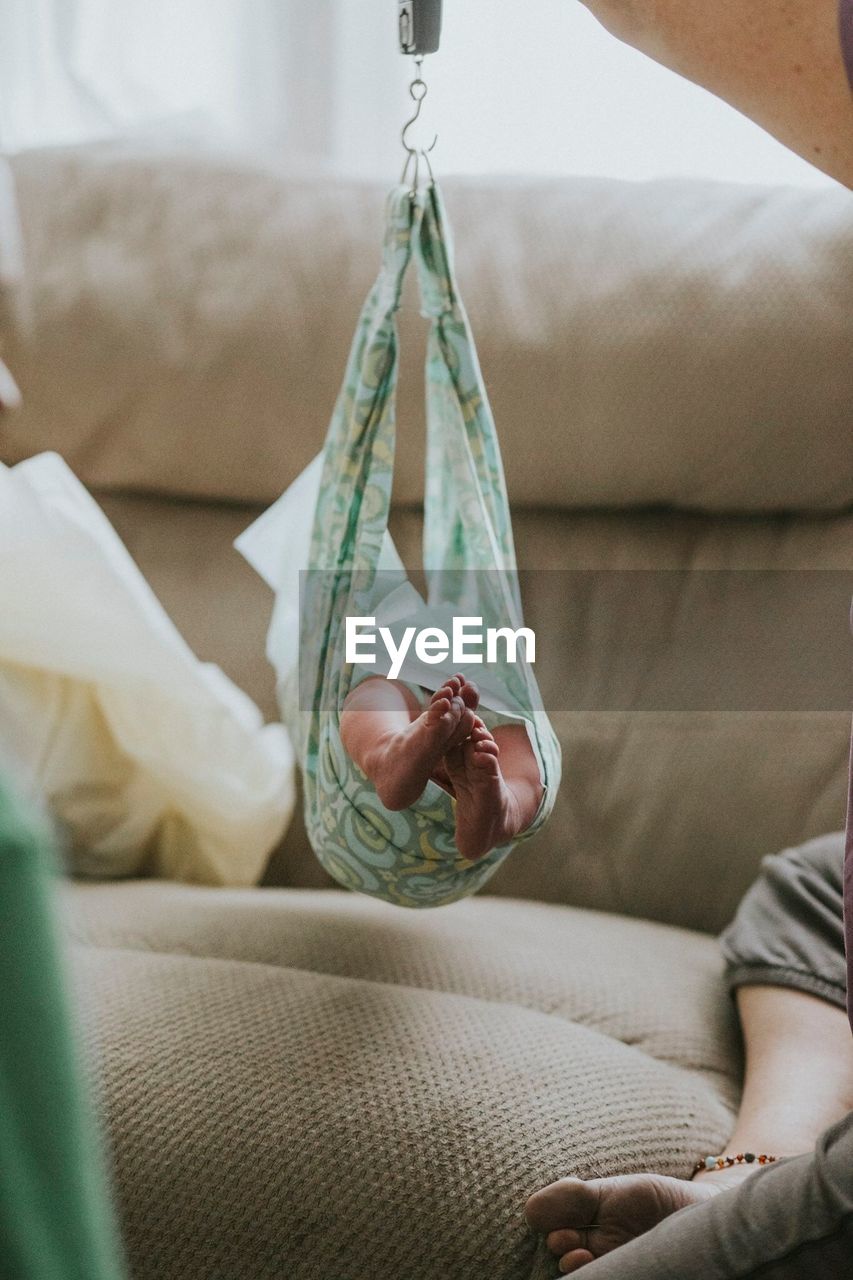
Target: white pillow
[{"x": 152, "y": 762}]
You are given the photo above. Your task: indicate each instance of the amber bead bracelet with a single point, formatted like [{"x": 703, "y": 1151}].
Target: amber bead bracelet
[{"x": 726, "y": 1162}]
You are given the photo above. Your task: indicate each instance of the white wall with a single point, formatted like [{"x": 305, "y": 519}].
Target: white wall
[
  {"x": 539, "y": 86},
  {"x": 523, "y": 86}
]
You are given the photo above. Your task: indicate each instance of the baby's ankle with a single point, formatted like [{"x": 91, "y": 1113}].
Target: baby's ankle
[{"x": 527, "y": 798}]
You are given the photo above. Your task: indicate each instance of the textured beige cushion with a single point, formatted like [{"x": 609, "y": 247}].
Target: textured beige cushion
[
  {"x": 314, "y": 1084},
  {"x": 662, "y": 813},
  {"x": 673, "y": 342}
]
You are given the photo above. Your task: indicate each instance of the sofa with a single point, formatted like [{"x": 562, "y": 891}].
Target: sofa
[{"x": 299, "y": 1082}]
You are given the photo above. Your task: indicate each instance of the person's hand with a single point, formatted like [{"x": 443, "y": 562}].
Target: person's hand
[
  {"x": 780, "y": 63},
  {"x": 627, "y": 19}
]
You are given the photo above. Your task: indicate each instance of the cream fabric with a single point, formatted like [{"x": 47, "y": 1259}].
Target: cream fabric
[
  {"x": 149, "y": 760},
  {"x": 11, "y": 269},
  {"x": 668, "y": 342},
  {"x": 314, "y": 1084}
]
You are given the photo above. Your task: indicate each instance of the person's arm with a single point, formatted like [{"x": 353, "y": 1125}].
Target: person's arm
[{"x": 779, "y": 62}]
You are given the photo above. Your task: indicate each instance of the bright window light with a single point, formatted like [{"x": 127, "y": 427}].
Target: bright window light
[
  {"x": 541, "y": 87},
  {"x": 532, "y": 87}
]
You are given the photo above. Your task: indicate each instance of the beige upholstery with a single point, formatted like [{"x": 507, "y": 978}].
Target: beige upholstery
[
  {"x": 662, "y": 813},
  {"x": 308, "y": 1084},
  {"x": 312, "y": 1084},
  {"x": 665, "y": 342}
]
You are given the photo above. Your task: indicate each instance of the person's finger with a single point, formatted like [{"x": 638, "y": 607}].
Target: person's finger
[{"x": 571, "y": 1202}]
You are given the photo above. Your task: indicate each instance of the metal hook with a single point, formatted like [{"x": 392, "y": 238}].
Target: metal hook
[
  {"x": 425, "y": 155},
  {"x": 418, "y": 90}
]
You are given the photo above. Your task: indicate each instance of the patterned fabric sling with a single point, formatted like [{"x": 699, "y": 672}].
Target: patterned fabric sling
[{"x": 408, "y": 858}]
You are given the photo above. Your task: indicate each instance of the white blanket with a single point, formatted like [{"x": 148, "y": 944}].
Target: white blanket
[{"x": 150, "y": 760}]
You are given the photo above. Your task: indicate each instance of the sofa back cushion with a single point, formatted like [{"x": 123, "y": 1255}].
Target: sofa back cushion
[
  {"x": 704, "y": 724},
  {"x": 672, "y": 342}
]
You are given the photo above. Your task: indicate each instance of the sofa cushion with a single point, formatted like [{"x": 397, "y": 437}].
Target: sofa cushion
[
  {"x": 312, "y": 1084},
  {"x": 665, "y": 342},
  {"x": 686, "y": 759}
]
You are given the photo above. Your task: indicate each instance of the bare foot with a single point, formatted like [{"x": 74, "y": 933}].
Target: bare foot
[
  {"x": 487, "y": 811},
  {"x": 585, "y": 1219},
  {"x": 401, "y": 764}
]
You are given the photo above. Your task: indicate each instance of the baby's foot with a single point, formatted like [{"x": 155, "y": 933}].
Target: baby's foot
[
  {"x": 585, "y": 1219},
  {"x": 487, "y": 812},
  {"x": 401, "y": 764}
]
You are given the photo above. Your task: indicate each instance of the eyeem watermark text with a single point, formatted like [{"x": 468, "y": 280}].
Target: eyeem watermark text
[{"x": 468, "y": 642}]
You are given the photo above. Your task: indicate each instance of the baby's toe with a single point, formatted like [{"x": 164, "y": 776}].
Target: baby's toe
[
  {"x": 482, "y": 740},
  {"x": 564, "y": 1241},
  {"x": 573, "y": 1261},
  {"x": 462, "y": 729},
  {"x": 441, "y": 705},
  {"x": 486, "y": 763},
  {"x": 446, "y": 693},
  {"x": 470, "y": 693},
  {"x": 482, "y": 757},
  {"x": 457, "y": 711},
  {"x": 466, "y": 723}
]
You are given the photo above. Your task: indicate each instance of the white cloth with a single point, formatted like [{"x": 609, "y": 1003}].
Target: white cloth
[
  {"x": 149, "y": 759},
  {"x": 11, "y": 276}
]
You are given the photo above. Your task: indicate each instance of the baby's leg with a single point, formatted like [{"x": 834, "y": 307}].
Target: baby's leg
[
  {"x": 497, "y": 786},
  {"x": 398, "y": 744}
]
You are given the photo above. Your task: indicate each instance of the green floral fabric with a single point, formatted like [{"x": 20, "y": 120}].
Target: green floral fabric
[
  {"x": 56, "y": 1219},
  {"x": 407, "y": 858}
]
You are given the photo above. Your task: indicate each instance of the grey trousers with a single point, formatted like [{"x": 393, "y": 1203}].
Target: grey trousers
[{"x": 792, "y": 1220}]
